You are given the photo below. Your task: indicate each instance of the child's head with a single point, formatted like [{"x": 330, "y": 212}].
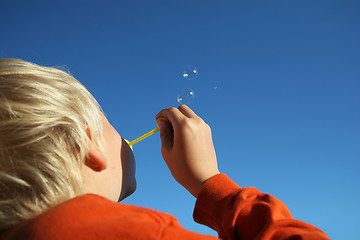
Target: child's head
[{"x": 45, "y": 119}]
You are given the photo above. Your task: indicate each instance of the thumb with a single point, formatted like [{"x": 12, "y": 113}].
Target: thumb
[{"x": 166, "y": 133}]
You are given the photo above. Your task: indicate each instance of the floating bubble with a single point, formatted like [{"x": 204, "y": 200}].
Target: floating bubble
[
  {"x": 186, "y": 96},
  {"x": 190, "y": 72}
]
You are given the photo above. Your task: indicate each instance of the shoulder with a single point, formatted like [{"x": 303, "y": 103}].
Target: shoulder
[{"x": 93, "y": 217}]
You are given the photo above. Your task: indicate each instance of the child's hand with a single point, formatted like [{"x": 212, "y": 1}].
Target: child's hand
[{"x": 187, "y": 147}]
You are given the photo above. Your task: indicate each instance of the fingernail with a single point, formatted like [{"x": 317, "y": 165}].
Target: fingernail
[{"x": 160, "y": 123}]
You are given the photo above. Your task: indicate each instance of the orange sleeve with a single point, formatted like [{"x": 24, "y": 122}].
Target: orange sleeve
[{"x": 246, "y": 213}]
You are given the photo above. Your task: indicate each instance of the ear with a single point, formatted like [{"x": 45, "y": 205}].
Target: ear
[{"x": 95, "y": 159}]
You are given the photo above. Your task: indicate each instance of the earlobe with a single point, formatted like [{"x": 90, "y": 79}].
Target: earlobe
[{"x": 95, "y": 159}]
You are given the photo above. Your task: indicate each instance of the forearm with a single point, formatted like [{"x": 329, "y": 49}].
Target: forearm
[{"x": 246, "y": 213}]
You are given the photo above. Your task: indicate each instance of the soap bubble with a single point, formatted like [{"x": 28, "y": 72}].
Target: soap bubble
[
  {"x": 186, "y": 96},
  {"x": 190, "y": 72}
]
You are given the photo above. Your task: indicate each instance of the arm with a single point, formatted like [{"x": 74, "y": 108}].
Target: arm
[
  {"x": 247, "y": 213},
  {"x": 234, "y": 212}
]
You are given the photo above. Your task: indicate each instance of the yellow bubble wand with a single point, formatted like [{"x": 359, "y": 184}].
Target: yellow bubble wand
[{"x": 145, "y": 135}]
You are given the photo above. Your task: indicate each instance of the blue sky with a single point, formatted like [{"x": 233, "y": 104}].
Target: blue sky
[{"x": 279, "y": 83}]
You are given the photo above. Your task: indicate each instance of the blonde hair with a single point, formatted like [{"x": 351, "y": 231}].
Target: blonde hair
[{"x": 44, "y": 117}]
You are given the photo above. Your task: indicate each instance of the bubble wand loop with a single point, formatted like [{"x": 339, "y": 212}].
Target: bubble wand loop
[{"x": 145, "y": 135}]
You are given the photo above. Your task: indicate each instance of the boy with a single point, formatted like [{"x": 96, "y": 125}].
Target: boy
[{"x": 64, "y": 167}]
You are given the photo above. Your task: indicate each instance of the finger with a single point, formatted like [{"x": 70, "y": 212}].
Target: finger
[
  {"x": 187, "y": 111},
  {"x": 166, "y": 134},
  {"x": 161, "y": 119},
  {"x": 172, "y": 114}
]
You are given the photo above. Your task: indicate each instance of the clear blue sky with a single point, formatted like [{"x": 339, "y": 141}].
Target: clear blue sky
[{"x": 285, "y": 114}]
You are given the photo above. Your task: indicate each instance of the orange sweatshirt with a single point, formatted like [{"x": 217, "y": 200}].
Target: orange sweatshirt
[{"x": 234, "y": 212}]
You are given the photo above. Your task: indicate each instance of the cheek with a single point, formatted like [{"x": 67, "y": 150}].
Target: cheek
[{"x": 128, "y": 170}]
